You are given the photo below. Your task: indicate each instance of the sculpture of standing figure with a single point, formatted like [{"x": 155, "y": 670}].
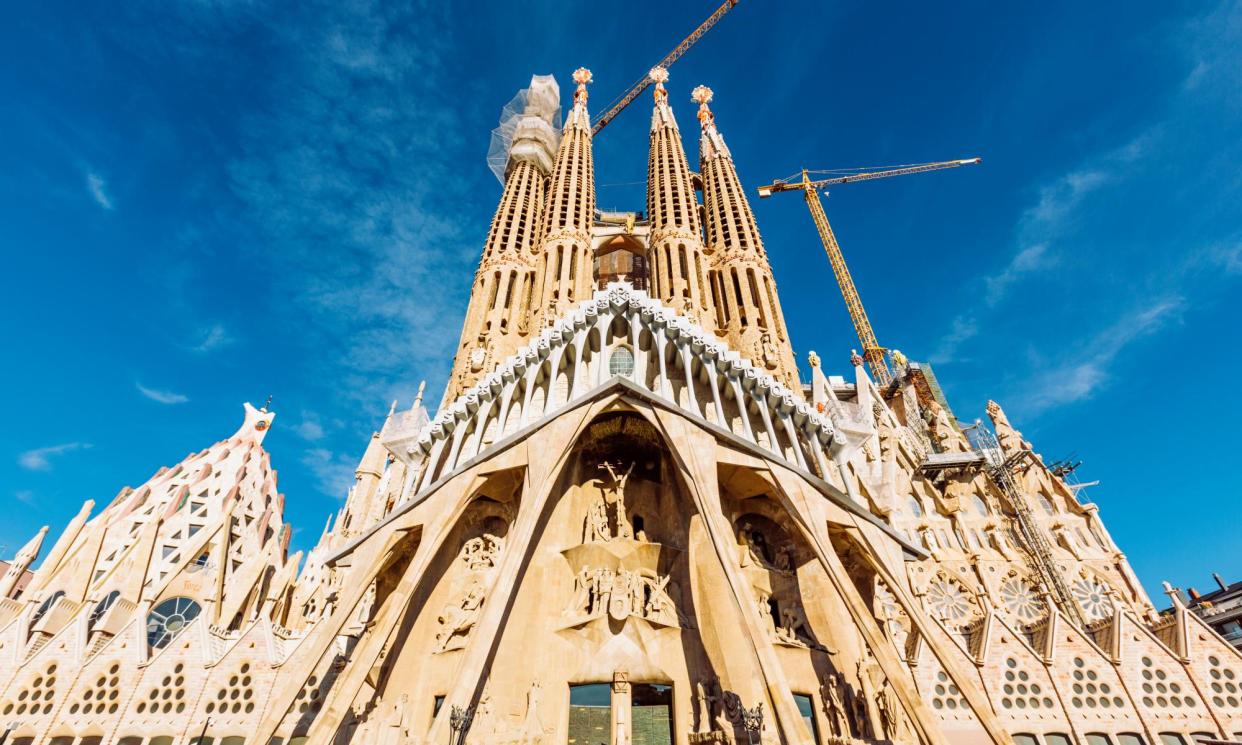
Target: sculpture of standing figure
[{"x": 834, "y": 707}]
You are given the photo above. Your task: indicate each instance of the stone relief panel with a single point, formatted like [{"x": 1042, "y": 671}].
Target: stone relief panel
[
  {"x": 770, "y": 559},
  {"x": 618, "y": 571},
  {"x": 473, "y": 570}
]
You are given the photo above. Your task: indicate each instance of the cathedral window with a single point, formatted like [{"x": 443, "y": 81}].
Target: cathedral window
[
  {"x": 169, "y": 619},
  {"x": 621, "y": 362},
  {"x": 1093, "y": 597},
  {"x": 1130, "y": 738},
  {"x": 46, "y": 606},
  {"x": 916, "y": 508},
  {"x": 101, "y": 608}
]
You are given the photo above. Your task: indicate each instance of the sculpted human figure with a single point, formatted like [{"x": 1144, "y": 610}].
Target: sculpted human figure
[
  {"x": 770, "y": 357},
  {"x": 793, "y": 625},
  {"x": 867, "y": 691},
  {"x": 458, "y": 618},
  {"x": 1066, "y": 538},
  {"x": 583, "y": 585},
  {"x": 888, "y": 723},
  {"x": 659, "y": 606},
  {"x": 1000, "y": 541},
  {"x": 596, "y": 524},
  {"x": 755, "y": 544},
  {"x": 784, "y": 560},
  {"x": 834, "y": 707}
]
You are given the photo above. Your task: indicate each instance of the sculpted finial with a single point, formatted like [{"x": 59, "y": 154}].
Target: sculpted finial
[
  {"x": 812, "y": 359},
  {"x": 702, "y": 95},
  {"x": 659, "y": 76},
  {"x": 583, "y": 78}
]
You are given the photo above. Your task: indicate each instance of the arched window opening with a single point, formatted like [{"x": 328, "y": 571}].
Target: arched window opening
[
  {"x": 621, "y": 362},
  {"x": 101, "y": 608},
  {"x": 166, "y": 622},
  {"x": 46, "y": 606}
]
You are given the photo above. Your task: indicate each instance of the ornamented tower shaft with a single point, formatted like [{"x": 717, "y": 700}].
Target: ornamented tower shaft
[
  {"x": 748, "y": 312},
  {"x": 678, "y": 264},
  {"x": 501, "y": 303},
  {"x": 566, "y": 272}
]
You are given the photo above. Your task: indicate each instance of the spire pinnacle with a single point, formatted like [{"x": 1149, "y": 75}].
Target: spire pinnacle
[
  {"x": 582, "y": 77},
  {"x": 659, "y": 76},
  {"x": 418, "y": 399},
  {"x": 702, "y": 95}
]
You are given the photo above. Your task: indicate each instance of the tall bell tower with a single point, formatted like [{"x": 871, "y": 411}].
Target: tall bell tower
[
  {"x": 565, "y": 263},
  {"x": 677, "y": 258},
  {"x": 748, "y": 311},
  {"x": 502, "y": 302}
]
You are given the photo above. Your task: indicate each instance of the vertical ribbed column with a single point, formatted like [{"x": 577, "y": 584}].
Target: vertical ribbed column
[
  {"x": 748, "y": 311},
  {"x": 676, "y": 255},
  {"x": 565, "y": 272},
  {"x": 498, "y": 319}
]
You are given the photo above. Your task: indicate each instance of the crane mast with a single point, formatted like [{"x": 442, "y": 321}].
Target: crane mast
[
  {"x": 637, "y": 88},
  {"x": 872, "y": 351}
]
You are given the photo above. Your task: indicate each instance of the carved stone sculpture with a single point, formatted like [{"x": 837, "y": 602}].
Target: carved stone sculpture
[
  {"x": 771, "y": 357},
  {"x": 459, "y": 617},
  {"x": 834, "y": 705},
  {"x": 793, "y": 628},
  {"x": 623, "y": 593},
  {"x": 480, "y": 552},
  {"x": 709, "y": 703},
  {"x": 606, "y": 517}
]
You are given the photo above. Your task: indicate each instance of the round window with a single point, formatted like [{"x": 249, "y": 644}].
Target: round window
[
  {"x": 168, "y": 619},
  {"x": 621, "y": 363}
]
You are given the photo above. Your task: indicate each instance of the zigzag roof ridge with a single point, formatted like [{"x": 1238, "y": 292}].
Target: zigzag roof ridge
[{"x": 616, "y": 296}]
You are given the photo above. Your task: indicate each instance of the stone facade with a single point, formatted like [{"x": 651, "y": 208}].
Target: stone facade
[{"x": 628, "y": 523}]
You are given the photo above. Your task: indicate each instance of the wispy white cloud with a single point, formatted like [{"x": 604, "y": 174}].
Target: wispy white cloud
[
  {"x": 333, "y": 472},
  {"x": 309, "y": 428},
  {"x": 1080, "y": 375},
  {"x": 99, "y": 190},
  {"x": 214, "y": 337},
  {"x": 160, "y": 396},
  {"x": 25, "y": 496},
  {"x": 1036, "y": 234},
  {"x": 40, "y": 459},
  {"x": 366, "y": 208}
]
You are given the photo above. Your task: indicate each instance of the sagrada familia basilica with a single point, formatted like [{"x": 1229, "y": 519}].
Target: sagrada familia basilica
[{"x": 632, "y": 520}]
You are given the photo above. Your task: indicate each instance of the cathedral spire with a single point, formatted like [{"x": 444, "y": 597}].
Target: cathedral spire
[
  {"x": 677, "y": 262},
  {"x": 21, "y": 563},
  {"x": 748, "y": 312},
  {"x": 565, "y": 268},
  {"x": 501, "y": 303}
]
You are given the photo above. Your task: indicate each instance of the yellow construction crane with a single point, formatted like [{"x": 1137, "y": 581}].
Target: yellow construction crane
[
  {"x": 872, "y": 351},
  {"x": 625, "y": 99}
]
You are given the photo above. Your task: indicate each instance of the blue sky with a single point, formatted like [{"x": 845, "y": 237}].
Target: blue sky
[{"x": 205, "y": 202}]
